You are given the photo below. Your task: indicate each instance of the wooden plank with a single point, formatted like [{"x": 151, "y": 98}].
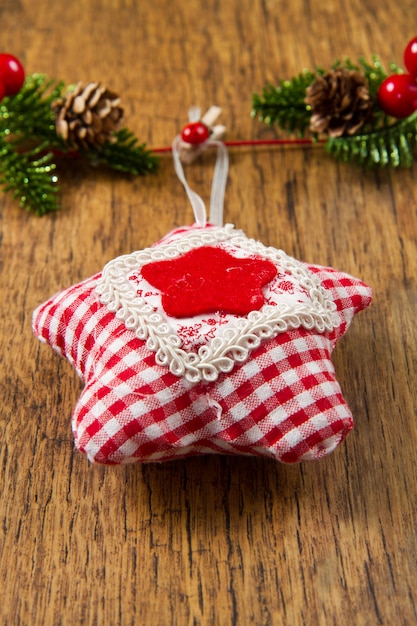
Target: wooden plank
[{"x": 212, "y": 540}]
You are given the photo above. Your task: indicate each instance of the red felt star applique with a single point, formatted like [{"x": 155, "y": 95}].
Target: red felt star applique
[{"x": 209, "y": 279}]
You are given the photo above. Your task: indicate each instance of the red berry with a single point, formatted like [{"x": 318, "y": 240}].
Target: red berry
[
  {"x": 195, "y": 133},
  {"x": 397, "y": 95},
  {"x": 12, "y": 74},
  {"x": 410, "y": 57}
]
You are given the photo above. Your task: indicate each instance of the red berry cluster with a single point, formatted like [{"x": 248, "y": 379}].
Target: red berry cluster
[
  {"x": 397, "y": 94},
  {"x": 12, "y": 75}
]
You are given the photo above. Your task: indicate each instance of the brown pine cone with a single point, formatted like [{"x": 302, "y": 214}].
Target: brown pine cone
[
  {"x": 88, "y": 116},
  {"x": 340, "y": 102}
]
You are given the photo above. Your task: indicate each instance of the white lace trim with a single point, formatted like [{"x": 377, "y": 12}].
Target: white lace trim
[{"x": 247, "y": 333}]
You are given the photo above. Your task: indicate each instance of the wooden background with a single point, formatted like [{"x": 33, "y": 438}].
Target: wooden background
[{"x": 212, "y": 540}]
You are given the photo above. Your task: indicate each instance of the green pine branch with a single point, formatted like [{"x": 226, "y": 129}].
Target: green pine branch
[
  {"x": 382, "y": 141},
  {"x": 125, "y": 154},
  {"x": 284, "y": 105},
  {"x": 27, "y": 135},
  {"x": 30, "y": 177},
  {"x": 394, "y": 145},
  {"x": 29, "y": 142},
  {"x": 28, "y": 114}
]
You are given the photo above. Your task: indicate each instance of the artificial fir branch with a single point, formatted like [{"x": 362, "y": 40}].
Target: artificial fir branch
[
  {"x": 29, "y": 142},
  {"x": 393, "y": 145},
  {"x": 28, "y": 114},
  {"x": 382, "y": 140},
  {"x": 27, "y": 134},
  {"x": 125, "y": 154},
  {"x": 30, "y": 177},
  {"x": 284, "y": 105}
]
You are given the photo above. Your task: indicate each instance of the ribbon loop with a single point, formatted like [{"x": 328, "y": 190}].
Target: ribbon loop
[{"x": 218, "y": 186}]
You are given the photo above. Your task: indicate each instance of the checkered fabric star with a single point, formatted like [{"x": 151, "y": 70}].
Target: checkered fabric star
[{"x": 160, "y": 387}]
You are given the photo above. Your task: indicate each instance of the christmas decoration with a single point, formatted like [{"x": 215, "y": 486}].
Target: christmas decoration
[
  {"x": 199, "y": 133},
  {"x": 230, "y": 284},
  {"x": 12, "y": 74},
  {"x": 39, "y": 123},
  {"x": 363, "y": 115},
  {"x": 339, "y": 101},
  {"x": 397, "y": 94},
  {"x": 87, "y": 116},
  {"x": 206, "y": 342},
  {"x": 410, "y": 57},
  {"x": 195, "y": 133}
]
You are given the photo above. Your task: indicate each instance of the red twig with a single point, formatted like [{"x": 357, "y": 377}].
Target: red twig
[
  {"x": 252, "y": 142},
  {"x": 230, "y": 144}
]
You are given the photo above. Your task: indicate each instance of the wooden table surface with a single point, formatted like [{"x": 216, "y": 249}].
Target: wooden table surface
[{"x": 210, "y": 540}]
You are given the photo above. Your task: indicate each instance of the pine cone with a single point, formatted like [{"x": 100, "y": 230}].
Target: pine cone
[
  {"x": 88, "y": 116},
  {"x": 340, "y": 102}
]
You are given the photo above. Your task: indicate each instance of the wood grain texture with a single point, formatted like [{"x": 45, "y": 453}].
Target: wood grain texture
[{"x": 212, "y": 540}]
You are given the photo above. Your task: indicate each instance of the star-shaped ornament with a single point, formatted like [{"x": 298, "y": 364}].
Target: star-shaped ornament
[
  {"x": 207, "y": 342},
  {"x": 209, "y": 279}
]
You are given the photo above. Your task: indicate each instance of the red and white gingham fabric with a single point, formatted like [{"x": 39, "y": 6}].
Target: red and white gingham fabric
[{"x": 284, "y": 402}]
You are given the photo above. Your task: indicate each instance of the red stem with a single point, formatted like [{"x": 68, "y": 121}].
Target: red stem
[
  {"x": 253, "y": 142},
  {"x": 229, "y": 144}
]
